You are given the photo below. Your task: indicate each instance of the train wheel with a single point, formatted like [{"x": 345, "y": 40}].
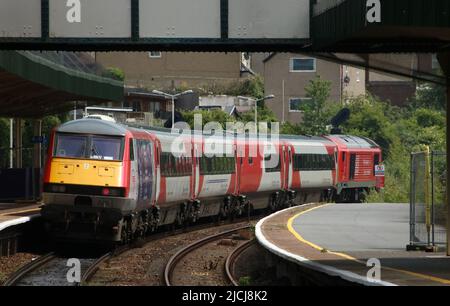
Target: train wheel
[
  {"x": 182, "y": 215},
  {"x": 124, "y": 232},
  {"x": 272, "y": 204},
  {"x": 224, "y": 211}
]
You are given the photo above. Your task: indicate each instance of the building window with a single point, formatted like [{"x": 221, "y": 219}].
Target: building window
[
  {"x": 154, "y": 107},
  {"x": 302, "y": 65},
  {"x": 299, "y": 104},
  {"x": 155, "y": 54},
  {"x": 136, "y": 105}
]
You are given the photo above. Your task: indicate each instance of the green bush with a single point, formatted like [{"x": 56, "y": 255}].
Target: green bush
[
  {"x": 245, "y": 281},
  {"x": 114, "y": 73}
]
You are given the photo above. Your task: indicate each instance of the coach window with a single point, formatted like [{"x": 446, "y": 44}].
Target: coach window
[
  {"x": 222, "y": 167},
  {"x": 269, "y": 160}
]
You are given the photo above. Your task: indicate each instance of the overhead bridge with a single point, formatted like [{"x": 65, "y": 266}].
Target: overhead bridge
[{"x": 226, "y": 25}]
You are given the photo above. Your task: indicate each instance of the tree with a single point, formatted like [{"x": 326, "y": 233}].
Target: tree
[
  {"x": 316, "y": 113},
  {"x": 429, "y": 95},
  {"x": 215, "y": 115}
]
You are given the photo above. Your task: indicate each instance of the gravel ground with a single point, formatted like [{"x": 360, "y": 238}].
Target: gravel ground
[
  {"x": 8, "y": 265},
  {"x": 205, "y": 266},
  {"x": 145, "y": 266}
]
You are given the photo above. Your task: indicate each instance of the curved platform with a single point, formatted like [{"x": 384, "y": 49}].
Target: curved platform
[
  {"x": 16, "y": 214},
  {"x": 338, "y": 240}
]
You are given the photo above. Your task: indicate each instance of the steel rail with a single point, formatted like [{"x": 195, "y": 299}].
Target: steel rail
[
  {"x": 232, "y": 258},
  {"x": 176, "y": 258},
  {"x": 28, "y": 268}
]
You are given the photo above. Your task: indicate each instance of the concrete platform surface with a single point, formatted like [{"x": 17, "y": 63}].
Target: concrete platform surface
[
  {"x": 17, "y": 213},
  {"x": 340, "y": 238},
  {"x": 370, "y": 231}
]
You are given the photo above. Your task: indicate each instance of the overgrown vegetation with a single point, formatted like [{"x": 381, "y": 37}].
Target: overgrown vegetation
[
  {"x": 114, "y": 73},
  {"x": 398, "y": 130}
]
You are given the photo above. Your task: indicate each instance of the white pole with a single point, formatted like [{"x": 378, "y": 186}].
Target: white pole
[
  {"x": 256, "y": 116},
  {"x": 282, "y": 85},
  {"x": 173, "y": 111},
  {"x": 11, "y": 143}
]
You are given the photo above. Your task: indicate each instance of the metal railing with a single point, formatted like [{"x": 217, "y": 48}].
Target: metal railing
[{"x": 428, "y": 204}]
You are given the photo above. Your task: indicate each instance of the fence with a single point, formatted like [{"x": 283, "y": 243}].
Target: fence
[{"x": 428, "y": 205}]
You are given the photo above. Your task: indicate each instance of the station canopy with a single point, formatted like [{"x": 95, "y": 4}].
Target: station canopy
[{"x": 35, "y": 84}]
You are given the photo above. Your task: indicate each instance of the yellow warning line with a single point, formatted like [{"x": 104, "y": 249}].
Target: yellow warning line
[
  {"x": 20, "y": 212},
  {"x": 348, "y": 257}
]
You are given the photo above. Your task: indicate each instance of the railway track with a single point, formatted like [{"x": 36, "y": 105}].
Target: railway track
[
  {"x": 51, "y": 270},
  {"x": 230, "y": 263},
  {"x": 178, "y": 257},
  {"x": 29, "y": 268},
  {"x": 45, "y": 269}
]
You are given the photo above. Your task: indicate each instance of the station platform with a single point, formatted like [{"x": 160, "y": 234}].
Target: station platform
[
  {"x": 12, "y": 214},
  {"x": 339, "y": 240}
]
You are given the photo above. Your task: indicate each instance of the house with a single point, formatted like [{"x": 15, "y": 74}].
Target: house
[{"x": 287, "y": 74}]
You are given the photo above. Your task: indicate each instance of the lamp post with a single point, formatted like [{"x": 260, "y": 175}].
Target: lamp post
[
  {"x": 173, "y": 100},
  {"x": 269, "y": 97}
]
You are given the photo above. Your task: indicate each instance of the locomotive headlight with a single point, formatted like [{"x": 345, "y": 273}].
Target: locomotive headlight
[{"x": 113, "y": 192}]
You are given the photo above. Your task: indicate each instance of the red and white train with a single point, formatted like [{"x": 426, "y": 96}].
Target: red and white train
[{"x": 105, "y": 181}]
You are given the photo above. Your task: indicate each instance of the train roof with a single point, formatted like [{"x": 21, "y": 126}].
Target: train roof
[
  {"x": 88, "y": 126},
  {"x": 355, "y": 141},
  {"x": 103, "y": 127},
  {"x": 159, "y": 130}
]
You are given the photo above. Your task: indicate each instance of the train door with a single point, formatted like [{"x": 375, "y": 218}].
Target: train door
[
  {"x": 144, "y": 149},
  {"x": 239, "y": 160},
  {"x": 157, "y": 172},
  {"x": 196, "y": 153},
  {"x": 134, "y": 178},
  {"x": 289, "y": 165},
  {"x": 344, "y": 166},
  {"x": 284, "y": 167}
]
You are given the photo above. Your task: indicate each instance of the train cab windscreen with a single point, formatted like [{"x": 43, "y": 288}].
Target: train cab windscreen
[{"x": 89, "y": 147}]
